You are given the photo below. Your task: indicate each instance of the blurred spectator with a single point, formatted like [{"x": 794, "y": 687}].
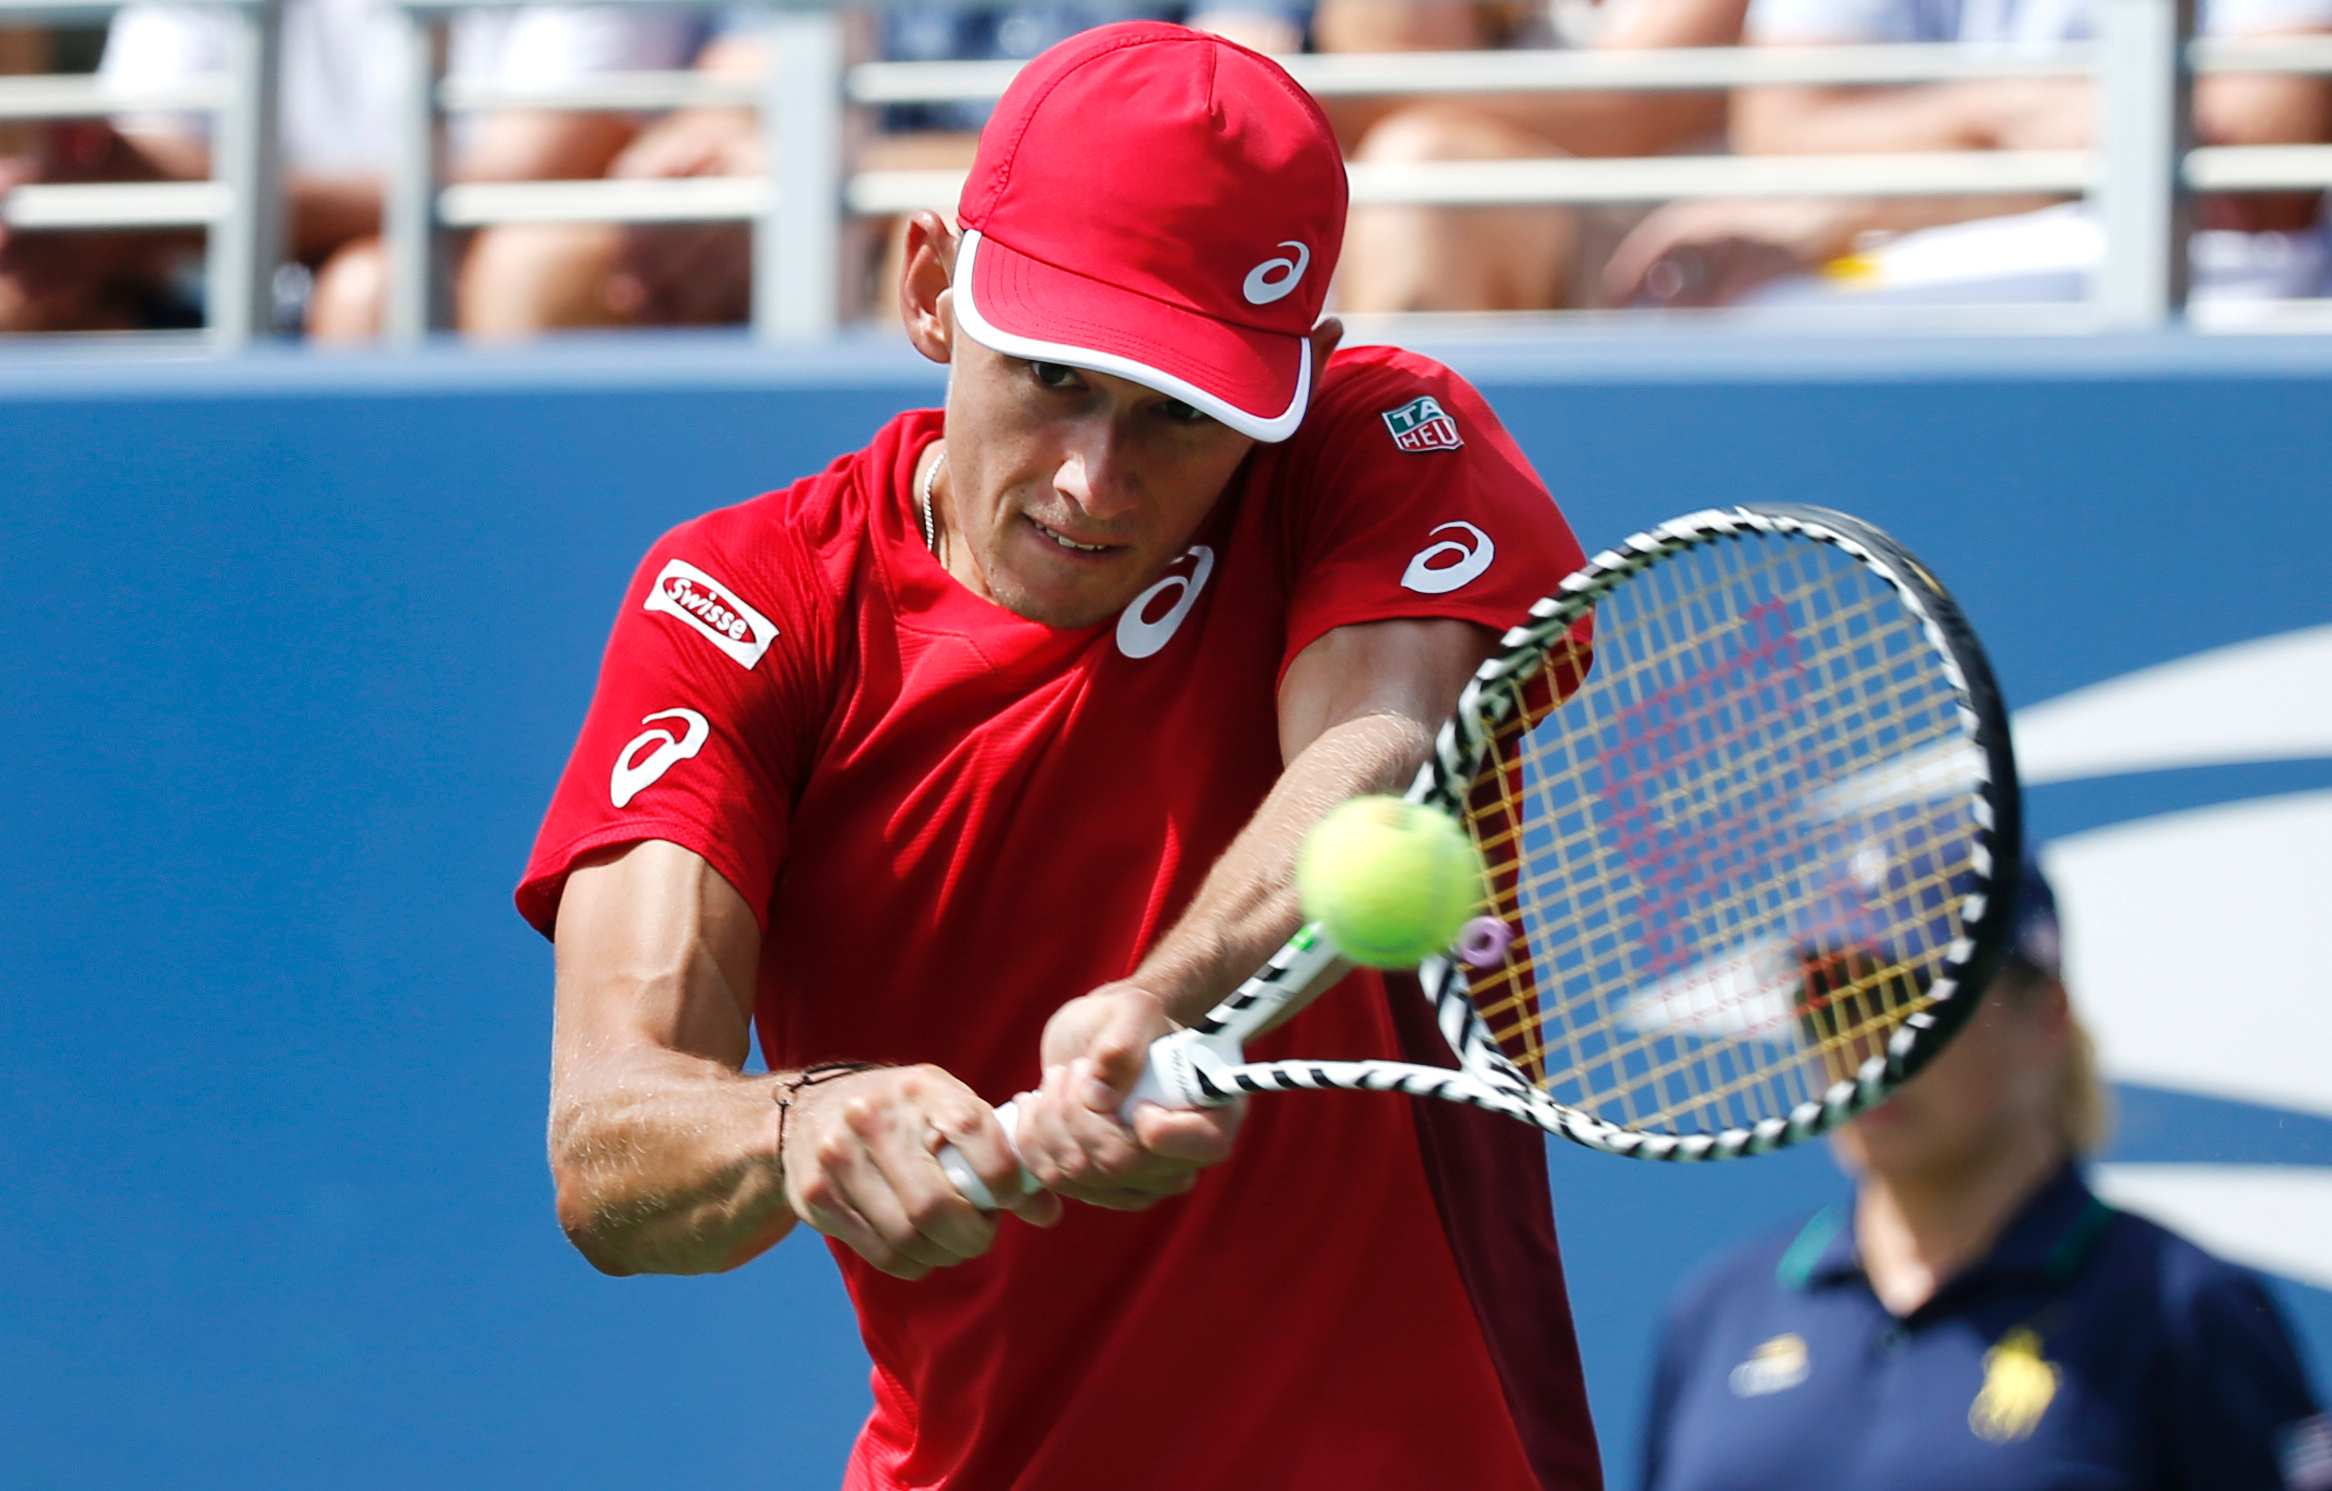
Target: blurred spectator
[
  {"x": 1976, "y": 1316},
  {"x": 1504, "y": 258},
  {"x": 1976, "y": 248},
  {"x": 528, "y": 280},
  {"x": 523, "y": 279},
  {"x": 337, "y": 121},
  {"x": 22, "y": 51}
]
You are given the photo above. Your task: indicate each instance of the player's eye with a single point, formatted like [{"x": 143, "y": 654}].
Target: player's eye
[
  {"x": 1053, "y": 374},
  {"x": 1180, "y": 413}
]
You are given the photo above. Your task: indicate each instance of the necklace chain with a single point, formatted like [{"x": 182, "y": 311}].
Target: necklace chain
[{"x": 923, "y": 503}]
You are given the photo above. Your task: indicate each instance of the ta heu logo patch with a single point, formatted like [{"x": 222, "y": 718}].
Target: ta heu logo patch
[
  {"x": 712, "y": 608},
  {"x": 1422, "y": 424}
]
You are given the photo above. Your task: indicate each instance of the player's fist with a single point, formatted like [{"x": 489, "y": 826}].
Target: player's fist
[
  {"x": 860, "y": 1159},
  {"x": 1070, "y": 1133}
]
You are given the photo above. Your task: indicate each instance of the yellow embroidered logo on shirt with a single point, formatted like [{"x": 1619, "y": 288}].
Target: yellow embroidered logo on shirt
[
  {"x": 2018, "y": 1387},
  {"x": 1778, "y": 1364}
]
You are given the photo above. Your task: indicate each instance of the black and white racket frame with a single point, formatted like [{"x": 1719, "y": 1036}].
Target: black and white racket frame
[{"x": 1203, "y": 1065}]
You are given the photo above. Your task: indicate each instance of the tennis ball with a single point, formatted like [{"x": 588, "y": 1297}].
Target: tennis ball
[{"x": 1391, "y": 882}]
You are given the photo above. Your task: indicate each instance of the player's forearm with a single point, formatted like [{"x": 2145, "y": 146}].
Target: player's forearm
[
  {"x": 1248, "y": 905},
  {"x": 668, "y": 1164}
]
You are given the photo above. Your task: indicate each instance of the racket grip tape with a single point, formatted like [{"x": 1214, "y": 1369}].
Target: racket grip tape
[
  {"x": 967, "y": 1180},
  {"x": 1153, "y": 1086}
]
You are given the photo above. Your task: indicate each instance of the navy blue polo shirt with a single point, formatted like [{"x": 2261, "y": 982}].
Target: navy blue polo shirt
[{"x": 2090, "y": 1349}]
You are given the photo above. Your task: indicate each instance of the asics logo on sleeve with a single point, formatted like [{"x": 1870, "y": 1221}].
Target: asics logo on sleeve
[
  {"x": 714, "y": 609},
  {"x": 1137, "y": 635},
  {"x": 1441, "y": 568},
  {"x": 634, "y": 772},
  {"x": 1275, "y": 279}
]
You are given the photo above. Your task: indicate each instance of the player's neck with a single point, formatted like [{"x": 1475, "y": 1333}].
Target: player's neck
[
  {"x": 932, "y": 509},
  {"x": 1916, "y": 1232}
]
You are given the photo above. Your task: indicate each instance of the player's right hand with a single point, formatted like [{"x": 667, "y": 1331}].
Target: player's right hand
[
  {"x": 860, "y": 1159},
  {"x": 1070, "y": 1132}
]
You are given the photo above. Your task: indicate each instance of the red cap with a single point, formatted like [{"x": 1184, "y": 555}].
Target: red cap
[{"x": 1160, "y": 204}]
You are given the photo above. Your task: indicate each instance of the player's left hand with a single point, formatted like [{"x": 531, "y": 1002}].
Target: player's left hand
[{"x": 1070, "y": 1135}]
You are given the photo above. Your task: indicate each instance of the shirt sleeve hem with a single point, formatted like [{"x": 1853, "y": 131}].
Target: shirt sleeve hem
[
  {"x": 539, "y": 892},
  {"x": 1484, "y": 613}
]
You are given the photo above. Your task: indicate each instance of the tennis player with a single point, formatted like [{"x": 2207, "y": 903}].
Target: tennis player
[
  {"x": 1976, "y": 1316},
  {"x": 974, "y": 762}
]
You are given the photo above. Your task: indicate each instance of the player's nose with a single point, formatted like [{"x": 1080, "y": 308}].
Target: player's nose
[{"x": 1095, "y": 477}]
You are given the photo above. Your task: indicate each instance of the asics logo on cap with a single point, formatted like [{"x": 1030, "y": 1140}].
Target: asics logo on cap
[{"x": 1261, "y": 288}]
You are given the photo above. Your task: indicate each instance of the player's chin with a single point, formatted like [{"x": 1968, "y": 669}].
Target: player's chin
[
  {"x": 1030, "y": 603},
  {"x": 1069, "y": 601}
]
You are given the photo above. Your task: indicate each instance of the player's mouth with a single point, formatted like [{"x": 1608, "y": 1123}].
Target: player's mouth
[{"x": 1071, "y": 547}]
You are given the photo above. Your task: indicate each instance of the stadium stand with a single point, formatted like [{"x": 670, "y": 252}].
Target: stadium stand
[
  {"x": 1543, "y": 127},
  {"x": 333, "y": 140}
]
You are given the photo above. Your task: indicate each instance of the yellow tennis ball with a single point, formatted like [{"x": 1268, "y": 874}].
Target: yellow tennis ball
[{"x": 1392, "y": 882}]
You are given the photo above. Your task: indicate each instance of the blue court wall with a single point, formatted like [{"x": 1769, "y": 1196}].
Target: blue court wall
[{"x": 295, "y": 647}]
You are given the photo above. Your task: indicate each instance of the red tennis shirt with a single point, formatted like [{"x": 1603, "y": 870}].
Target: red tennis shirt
[{"x": 951, "y": 820}]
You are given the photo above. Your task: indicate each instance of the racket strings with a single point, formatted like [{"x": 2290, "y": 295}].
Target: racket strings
[
  {"x": 1667, "y": 842},
  {"x": 1741, "y": 904},
  {"x": 1503, "y": 838},
  {"x": 1500, "y": 848}
]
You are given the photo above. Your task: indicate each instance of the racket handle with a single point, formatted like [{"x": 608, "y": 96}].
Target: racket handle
[
  {"x": 967, "y": 1180},
  {"x": 1164, "y": 1081}
]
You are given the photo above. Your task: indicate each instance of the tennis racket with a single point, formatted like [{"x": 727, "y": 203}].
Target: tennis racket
[{"x": 1744, "y": 790}]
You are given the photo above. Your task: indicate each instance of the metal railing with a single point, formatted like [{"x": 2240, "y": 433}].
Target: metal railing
[
  {"x": 2140, "y": 176},
  {"x": 239, "y": 207}
]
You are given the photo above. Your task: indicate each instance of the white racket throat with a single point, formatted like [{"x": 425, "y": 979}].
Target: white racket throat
[{"x": 1188, "y": 1069}]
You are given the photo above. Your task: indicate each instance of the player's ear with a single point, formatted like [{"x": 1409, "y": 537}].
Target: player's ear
[
  {"x": 924, "y": 281},
  {"x": 1325, "y": 338}
]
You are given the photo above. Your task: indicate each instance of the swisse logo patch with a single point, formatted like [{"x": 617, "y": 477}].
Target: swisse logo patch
[{"x": 703, "y": 602}]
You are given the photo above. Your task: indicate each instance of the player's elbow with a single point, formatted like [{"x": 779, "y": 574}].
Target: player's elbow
[
  {"x": 587, "y": 1210},
  {"x": 586, "y": 1221},
  {"x": 600, "y": 1257}
]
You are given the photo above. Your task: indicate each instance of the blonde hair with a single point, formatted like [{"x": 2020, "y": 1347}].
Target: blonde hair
[{"x": 2084, "y": 1107}]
